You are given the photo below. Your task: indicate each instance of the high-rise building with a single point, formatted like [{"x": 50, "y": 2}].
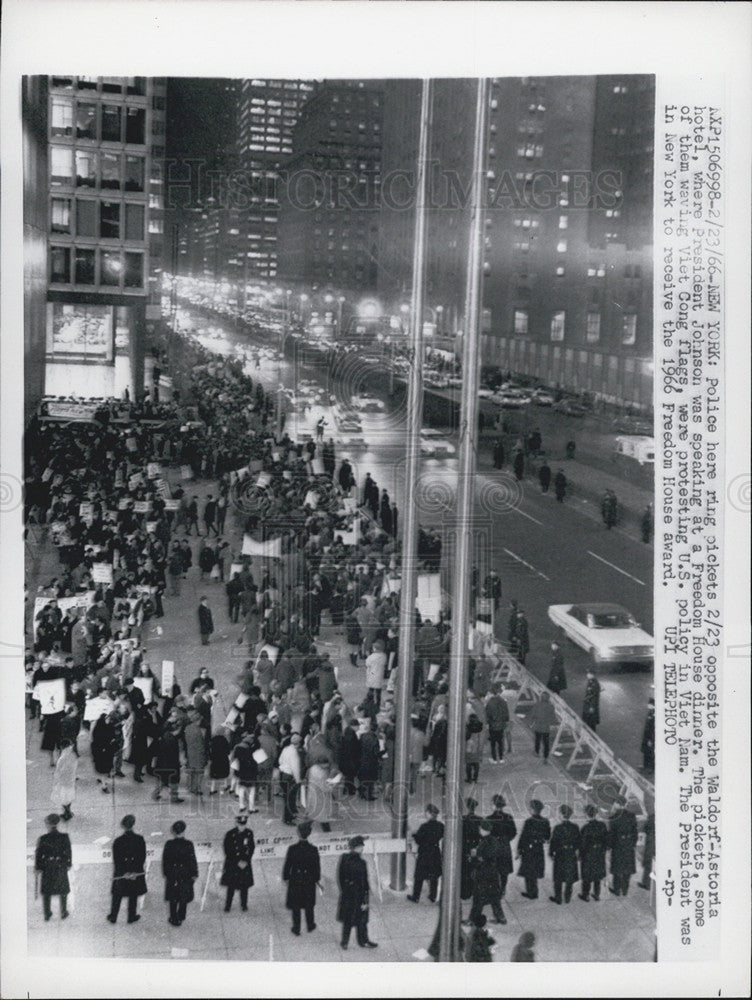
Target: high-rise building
[
  {"x": 105, "y": 190},
  {"x": 567, "y": 291},
  {"x": 329, "y": 194},
  {"x": 36, "y": 228}
]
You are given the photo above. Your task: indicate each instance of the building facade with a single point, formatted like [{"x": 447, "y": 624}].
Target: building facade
[
  {"x": 106, "y": 223},
  {"x": 568, "y": 230},
  {"x": 330, "y": 188},
  {"x": 36, "y": 229}
]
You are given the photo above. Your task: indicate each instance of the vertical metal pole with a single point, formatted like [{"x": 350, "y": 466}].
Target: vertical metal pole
[
  {"x": 450, "y": 893},
  {"x": 410, "y": 528}
]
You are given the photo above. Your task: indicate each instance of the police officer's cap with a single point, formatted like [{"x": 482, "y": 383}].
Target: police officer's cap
[
  {"x": 241, "y": 818},
  {"x": 128, "y": 822},
  {"x": 178, "y": 827},
  {"x": 566, "y": 811},
  {"x": 432, "y": 809},
  {"x": 356, "y": 841},
  {"x": 536, "y": 805},
  {"x": 53, "y": 819},
  {"x": 304, "y": 830}
]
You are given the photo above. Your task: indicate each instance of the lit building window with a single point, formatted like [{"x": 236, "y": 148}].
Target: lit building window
[
  {"x": 61, "y": 165},
  {"x": 62, "y": 116},
  {"x": 520, "y": 321},
  {"x": 563, "y": 221},
  {"x": 111, "y": 267},
  {"x": 60, "y": 215},
  {"x": 59, "y": 265},
  {"x": 86, "y": 120},
  {"x": 561, "y": 246},
  {"x": 86, "y": 168},
  {"x": 559, "y": 272},
  {"x": 629, "y": 329}
]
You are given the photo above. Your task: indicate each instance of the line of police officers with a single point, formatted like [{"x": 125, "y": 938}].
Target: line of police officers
[{"x": 301, "y": 871}]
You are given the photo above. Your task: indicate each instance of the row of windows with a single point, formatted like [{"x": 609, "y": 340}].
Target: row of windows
[
  {"x": 112, "y": 220},
  {"x": 86, "y": 266},
  {"x": 131, "y": 85},
  {"x": 94, "y": 168},
  {"x": 96, "y": 121},
  {"x": 557, "y": 327}
]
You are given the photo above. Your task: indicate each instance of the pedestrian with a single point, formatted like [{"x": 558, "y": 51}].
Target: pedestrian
[
  {"x": 486, "y": 883},
  {"x": 479, "y": 943},
  {"x": 523, "y": 950},
  {"x": 544, "y": 477},
  {"x": 647, "y": 746},
  {"x": 608, "y": 509},
  {"x": 221, "y": 513},
  {"x": 474, "y": 739},
  {"x": 503, "y": 831},
  {"x": 194, "y": 736},
  {"x": 536, "y": 831},
  {"x": 375, "y": 671},
  {"x": 370, "y": 757},
  {"x": 205, "y": 621},
  {"x": 53, "y": 860},
  {"x": 290, "y": 776},
  {"x": 417, "y": 742},
  {"x": 542, "y": 717},
  {"x": 498, "y": 454},
  {"x": 246, "y": 772},
  {"x": 233, "y": 589},
  {"x": 187, "y": 556},
  {"x": 518, "y": 464},
  {"x": 192, "y": 516},
  {"x": 646, "y": 524},
  {"x": 497, "y": 718},
  {"x": 166, "y": 765},
  {"x": 319, "y": 788},
  {"x": 593, "y": 847},
  {"x": 557, "y": 678},
  {"x": 175, "y": 570},
  {"x": 237, "y": 873},
  {"x": 206, "y": 560},
  {"x": 64, "y": 781},
  {"x": 352, "y": 908},
  {"x": 128, "y": 875},
  {"x": 560, "y": 485},
  {"x": 437, "y": 743},
  {"x": 521, "y": 637},
  {"x": 564, "y": 849},
  {"x": 571, "y": 448},
  {"x": 210, "y": 516},
  {"x": 591, "y": 702},
  {"x": 470, "y": 840},
  {"x": 622, "y": 840},
  {"x": 428, "y": 837},
  {"x": 302, "y": 872},
  {"x": 648, "y": 852},
  {"x": 180, "y": 870},
  {"x": 349, "y": 757}
]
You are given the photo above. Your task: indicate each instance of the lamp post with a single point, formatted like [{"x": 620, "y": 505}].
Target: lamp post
[{"x": 340, "y": 303}]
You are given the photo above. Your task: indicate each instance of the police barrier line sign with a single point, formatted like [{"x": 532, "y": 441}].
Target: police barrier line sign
[{"x": 266, "y": 848}]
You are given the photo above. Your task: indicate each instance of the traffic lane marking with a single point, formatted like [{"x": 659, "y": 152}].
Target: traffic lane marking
[
  {"x": 530, "y": 517},
  {"x": 617, "y": 568},
  {"x": 521, "y": 560}
]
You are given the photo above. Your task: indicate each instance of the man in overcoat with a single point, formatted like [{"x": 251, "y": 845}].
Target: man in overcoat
[
  {"x": 352, "y": 909},
  {"x": 470, "y": 840},
  {"x": 622, "y": 839},
  {"x": 53, "y": 859},
  {"x": 591, "y": 714},
  {"x": 302, "y": 872},
  {"x": 239, "y": 845},
  {"x": 486, "y": 882},
  {"x": 503, "y": 830},
  {"x": 205, "y": 621},
  {"x": 128, "y": 876},
  {"x": 557, "y": 678},
  {"x": 428, "y": 837},
  {"x": 564, "y": 848},
  {"x": 593, "y": 847},
  {"x": 536, "y": 831},
  {"x": 180, "y": 870}
]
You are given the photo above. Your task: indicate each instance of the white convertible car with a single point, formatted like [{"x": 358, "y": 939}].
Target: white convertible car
[{"x": 607, "y": 631}]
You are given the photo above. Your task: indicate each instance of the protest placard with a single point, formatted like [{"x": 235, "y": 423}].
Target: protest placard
[{"x": 102, "y": 573}]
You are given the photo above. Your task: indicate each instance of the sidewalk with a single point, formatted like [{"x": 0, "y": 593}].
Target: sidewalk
[{"x": 614, "y": 929}]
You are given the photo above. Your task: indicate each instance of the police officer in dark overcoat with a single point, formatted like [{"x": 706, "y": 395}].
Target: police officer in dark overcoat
[
  {"x": 622, "y": 840},
  {"x": 239, "y": 845},
  {"x": 128, "y": 877},
  {"x": 180, "y": 870},
  {"x": 428, "y": 837},
  {"x": 536, "y": 831},
  {"x": 593, "y": 847},
  {"x": 53, "y": 859},
  {"x": 302, "y": 872},
  {"x": 486, "y": 881},
  {"x": 564, "y": 848},
  {"x": 470, "y": 840},
  {"x": 503, "y": 830},
  {"x": 352, "y": 908}
]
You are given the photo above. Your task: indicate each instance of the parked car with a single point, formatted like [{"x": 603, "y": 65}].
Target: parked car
[
  {"x": 608, "y": 632},
  {"x": 542, "y": 397},
  {"x": 570, "y": 408},
  {"x": 368, "y": 404},
  {"x": 434, "y": 444}
]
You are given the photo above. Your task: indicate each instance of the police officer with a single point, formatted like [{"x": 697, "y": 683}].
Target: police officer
[
  {"x": 622, "y": 839},
  {"x": 352, "y": 908},
  {"x": 53, "y": 859},
  {"x": 428, "y": 836},
  {"x": 487, "y": 858},
  {"x": 239, "y": 845},
  {"x": 503, "y": 831},
  {"x": 128, "y": 877},
  {"x": 536, "y": 831},
  {"x": 180, "y": 870},
  {"x": 565, "y": 844},
  {"x": 593, "y": 847},
  {"x": 302, "y": 872}
]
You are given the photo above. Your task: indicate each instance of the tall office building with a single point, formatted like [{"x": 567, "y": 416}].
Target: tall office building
[
  {"x": 105, "y": 189},
  {"x": 568, "y": 229},
  {"x": 36, "y": 228},
  {"x": 328, "y": 228}
]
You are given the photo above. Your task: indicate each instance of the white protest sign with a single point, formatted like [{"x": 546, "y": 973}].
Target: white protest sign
[
  {"x": 172, "y": 505},
  {"x": 142, "y": 506},
  {"x": 311, "y": 499},
  {"x": 51, "y": 696},
  {"x": 153, "y": 470},
  {"x": 317, "y": 467},
  {"x": 428, "y": 599},
  {"x": 186, "y": 472},
  {"x": 101, "y": 573},
  {"x": 145, "y": 684},
  {"x": 168, "y": 677}
]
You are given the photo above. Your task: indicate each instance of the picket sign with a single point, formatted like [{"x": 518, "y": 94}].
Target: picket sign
[{"x": 574, "y": 740}]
